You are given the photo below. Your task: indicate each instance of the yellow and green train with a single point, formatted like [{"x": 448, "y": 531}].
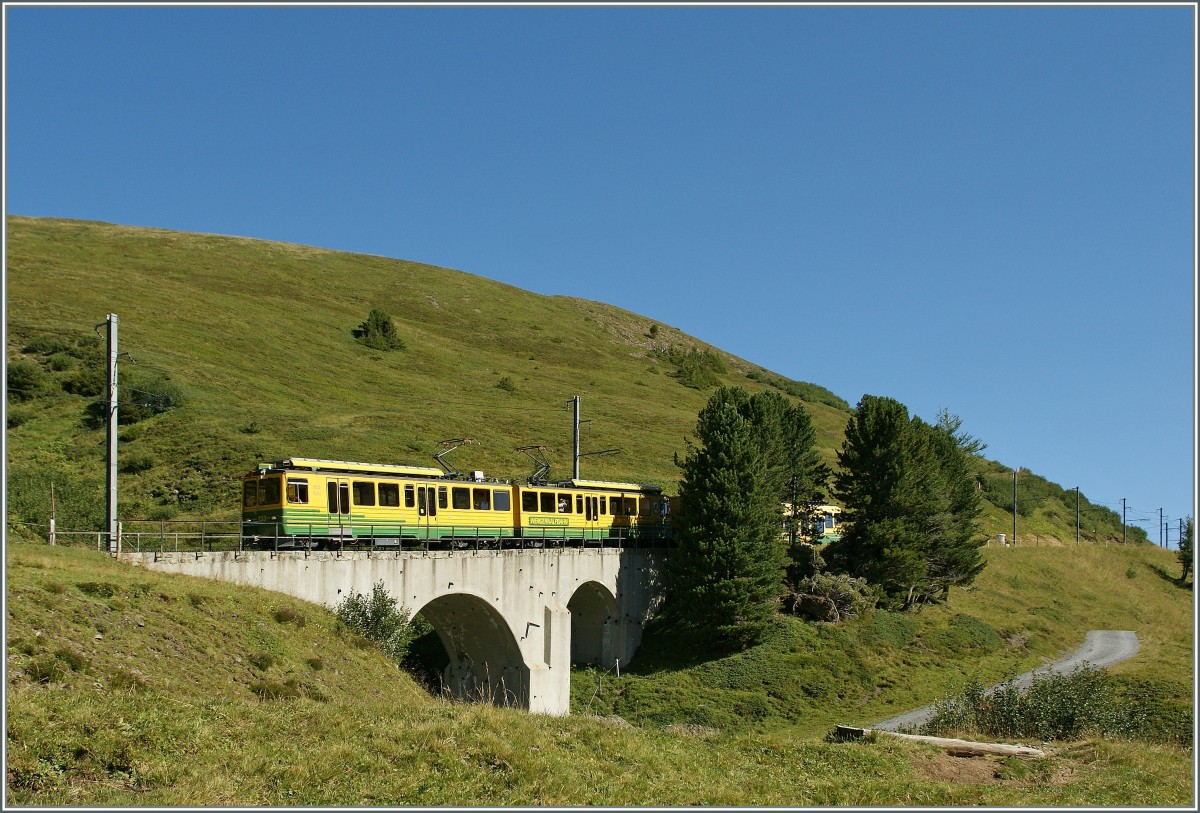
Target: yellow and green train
[{"x": 329, "y": 504}]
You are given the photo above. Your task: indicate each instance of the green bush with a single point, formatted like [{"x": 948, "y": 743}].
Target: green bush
[
  {"x": 698, "y": 369},
  {"x": 1086, "y": 702},
  {"x": 26, "y": 380},
  {"x": 379, "y": 619},
  {"x": 895, "y": 630},
  {"x": 831, "y": 597},
  {"x": 47, "y": 345},
  {"x": 135, "y": 462},
  {"x": 963, "y": 634}
]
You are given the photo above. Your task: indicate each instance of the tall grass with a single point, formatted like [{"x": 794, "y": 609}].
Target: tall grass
[{"x": 1086, "y": 702}]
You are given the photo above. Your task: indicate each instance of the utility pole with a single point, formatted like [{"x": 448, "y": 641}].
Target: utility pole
[
  {"x": 111, "y": 502},
  {"x": 575, "y": 468},
  {"x": 1017, "y": 469},
  {"x": 1124, "y": 528},
  {"x": 1076, "y": 515},
  {"x": 1160, "y": 529}
]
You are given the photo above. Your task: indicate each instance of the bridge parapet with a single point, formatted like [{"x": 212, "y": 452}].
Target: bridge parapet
[{"x": 511, "y": 621}]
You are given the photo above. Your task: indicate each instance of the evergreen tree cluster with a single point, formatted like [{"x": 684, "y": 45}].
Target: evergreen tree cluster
[
  {"x": 911, "y": 504},
  {"x": 910, "y": 517}
]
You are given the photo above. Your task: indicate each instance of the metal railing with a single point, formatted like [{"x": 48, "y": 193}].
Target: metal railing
[{"x": 200, "y": 536}]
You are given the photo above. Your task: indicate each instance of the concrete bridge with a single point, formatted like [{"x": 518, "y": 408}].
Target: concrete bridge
[{"x": 512, "y": 621}]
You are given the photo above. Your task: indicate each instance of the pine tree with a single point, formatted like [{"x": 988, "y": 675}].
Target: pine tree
[
  {"x": 883, "y": 484},
  {"x": 954, "y": 557},
  {"x": 911, "y": 503},
  {"x": 725, "y": 575},
  {"x": 1184, "y": 554},
  {"x": 378, "y": 332}
]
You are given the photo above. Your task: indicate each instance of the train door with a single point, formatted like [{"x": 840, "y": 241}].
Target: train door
[
  {"x": 338, "y": 493},
  {"x": 427, "y": 511},
  {"x": 591, "y": 505}
]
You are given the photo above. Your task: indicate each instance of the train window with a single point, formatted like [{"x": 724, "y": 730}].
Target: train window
[
  {"x": 297, "y": 491},
  {"x": 501, "y": 502},
  {"x": 461, "y": 498},
  {"x": 389, "y": 494},
  {"x": 410, "y": 496},
  {"x": 564, "y": 503},
  {"x": 630, "y": 506},
  {"x": 442, "y": 497},
  {"x": 250, "y": 494},
  {"x": 364, "y": 493},
  {"x": 578, "y": 503},
  {"x": 483, "y": 499},
  {"x": 644, "y": 506},
  {"x": 548, "y": 502},
  {"x": 528, "y": 500},
  {"x": 604, "y": 505},
  {"x": 270, "y": 492}
]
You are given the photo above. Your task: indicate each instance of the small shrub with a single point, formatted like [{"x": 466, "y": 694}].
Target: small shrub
[
  {"x": 274, "y": 690},
  {"x": 46, "y": 669},
  {"x": 1131, "y": 573},
  {"x": 316, "y": 664},
  {"x": 261, "y": 661},
  {"x": 125, "y": 681},
  {"x": 831, "y": 597},
  {"x": 25, "y": 379},
  {"x": 286, "y": 615},
  {"x": 195, "y": 599},
  {"x": 378, "y": 332},
  {"x": 98, "y": 589},
  {"x": 47, "y": 345},
  {"x": 136, "y": 462},
  {"x": 54, "y": 587},
  {"x": 697, "y": 369},
  {"x": 75, "y": 661},
  {"x": 506, "y": 384},
  {"x": 379, "y": 619},
  {"x": 895, "y": 630}
]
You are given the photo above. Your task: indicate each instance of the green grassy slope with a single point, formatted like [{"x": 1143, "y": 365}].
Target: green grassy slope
[
  {"x": 256, "y": 336},
  {"x": 132, "y": 688}
]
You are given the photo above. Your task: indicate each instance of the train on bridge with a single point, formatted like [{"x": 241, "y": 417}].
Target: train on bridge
[{"x": 302, "y": 503}]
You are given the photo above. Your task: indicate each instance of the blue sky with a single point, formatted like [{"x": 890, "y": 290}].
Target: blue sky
[{"x": 988, "y": 209}]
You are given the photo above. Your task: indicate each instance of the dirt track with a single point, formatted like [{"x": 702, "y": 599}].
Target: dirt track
[{"x": 1100, "y": 648}]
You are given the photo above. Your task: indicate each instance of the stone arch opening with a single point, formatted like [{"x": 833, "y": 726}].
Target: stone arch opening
[
  {"x": 595, "y": 626},
  {"x": 480, "y": 659}
]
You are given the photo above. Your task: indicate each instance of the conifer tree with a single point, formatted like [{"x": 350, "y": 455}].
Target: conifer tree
[
  {"x": 725, "y": 576},
  {"x": 378, "y": 332},
  {"x": 911, "y": 503},
  {"x": 954, "y": 557},
  {"x": 1184, "y": 554},
  {"x": 882, "y": 487}
]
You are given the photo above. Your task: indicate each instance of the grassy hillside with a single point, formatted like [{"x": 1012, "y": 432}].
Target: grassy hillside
[
  {"x": 254, "y": 338},
  {"x": 132, "y": 688}
]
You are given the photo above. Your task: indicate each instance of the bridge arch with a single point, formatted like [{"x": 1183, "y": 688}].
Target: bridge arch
[
  {"x": 595, "y": 625},
  {"x": 485, "y": 661}
]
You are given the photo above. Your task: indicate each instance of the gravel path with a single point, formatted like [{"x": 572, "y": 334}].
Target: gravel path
[{"x": 1100, "y": 648}]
